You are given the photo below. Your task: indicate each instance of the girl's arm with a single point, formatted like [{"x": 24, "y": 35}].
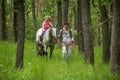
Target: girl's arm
[{"x": 51, "y": 24}]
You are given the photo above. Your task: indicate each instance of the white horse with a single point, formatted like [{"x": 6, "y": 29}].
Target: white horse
[{"x": 48, "y": 41}]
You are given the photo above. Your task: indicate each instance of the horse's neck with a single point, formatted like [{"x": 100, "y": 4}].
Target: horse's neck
[{"x": 47, "y": 34}]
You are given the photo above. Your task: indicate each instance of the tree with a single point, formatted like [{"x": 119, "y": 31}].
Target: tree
[
  {"x": 0, "y": 18},
  {"x": 65, "y": 10},
  {"x": 75, "y": 16},
  {"x": 3, "y": 23},
  {"x": 79, "y": 27},
  {"x": 105, "y": 29},
  {"x": 15, "y": 20},
  {"x": 34, "y": 18},
  {"x": 87, "y": 29},
  {"x": 71, "y": 13},
  {"x": 115, "y": 56},
  {"x": 59, "y": 14},
  {"x": 110, "y": 22},
  {"x": 21, "y": 33}
]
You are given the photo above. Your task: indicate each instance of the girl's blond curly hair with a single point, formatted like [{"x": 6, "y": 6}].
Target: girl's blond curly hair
[{"x": 47, "y": 17}]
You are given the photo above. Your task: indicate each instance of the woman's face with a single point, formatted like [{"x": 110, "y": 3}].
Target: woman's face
[{"x": 66, "y": 27}]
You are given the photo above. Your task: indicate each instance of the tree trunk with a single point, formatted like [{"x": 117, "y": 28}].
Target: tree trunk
[
  {"x": 9, "y": 20},
  {"x": 79, "y": 28},
  {"x": 34, "y": 18},
  {"x": 0, "y": 19},
  {"x": 75, "y": 17},
  {"x": 65, "y": 10},
  {"x": 21, "y": 33},
  {"x": 110, "y": 22},
  {"x": 70, "y": 13},
  {"x": 15, "y": 20},
  {"x": 59, "y": 15},
  {"x": 105, "y": 29},
  {"x": 115, "y": 56},
  {"x": 3, "y": 23},
  {"x": 87, "y": 29},
  {"x": 97, "y": 32}
]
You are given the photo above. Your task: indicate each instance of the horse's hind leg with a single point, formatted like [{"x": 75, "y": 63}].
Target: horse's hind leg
[
  {"x": 51, "y": 53},
  {"x": 46, "y": 54},
  {"x": 38, "y": 48}
]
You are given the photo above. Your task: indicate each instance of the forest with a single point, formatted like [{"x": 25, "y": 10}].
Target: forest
[{"x": 95, "y": 26}]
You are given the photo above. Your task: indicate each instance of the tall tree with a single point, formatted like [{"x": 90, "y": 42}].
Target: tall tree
[
  {"x": 115, "y": 56},
  {"x": 79, "y": 27},
  {"x": 3, "y": 23},
  {"x": 34, "y": 18},
  {"x": 87, "y": 29},
  {"x": 105, "y": 29},
  {"x": 21, "y": 33},
  {"x": 65, "y": 10},
  {"x": 15, "y": 20},
  {"x": 59, "y": 14}
]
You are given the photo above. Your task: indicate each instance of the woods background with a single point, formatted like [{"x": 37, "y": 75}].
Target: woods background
[{"x": 94, "y": 23}]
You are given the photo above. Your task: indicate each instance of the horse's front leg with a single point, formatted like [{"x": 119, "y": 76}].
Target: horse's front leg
[
  {"x": 45, "y": 51},
  {"x": 51, "y": 50}
]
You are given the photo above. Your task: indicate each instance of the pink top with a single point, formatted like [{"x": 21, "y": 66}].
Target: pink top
[{"x": 46, "y": 24}]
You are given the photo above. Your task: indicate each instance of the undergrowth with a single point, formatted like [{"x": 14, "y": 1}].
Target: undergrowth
[{"x": 40, "y": 68}]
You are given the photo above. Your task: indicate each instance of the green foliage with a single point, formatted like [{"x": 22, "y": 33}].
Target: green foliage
[
  {"x": 50, "y": 9},
  {"x": 106, "y": 2},
  {"x": 28, "y": 5},
  {"x": 29, "y": 27},
  {"x": 74, "y": 32},
  {"x": 38, "y": 68}
]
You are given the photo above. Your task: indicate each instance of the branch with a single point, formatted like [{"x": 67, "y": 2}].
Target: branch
[{"x": 105, "y": 21}]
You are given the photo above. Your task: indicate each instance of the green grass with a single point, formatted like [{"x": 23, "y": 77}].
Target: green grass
[{"x": 38, "y": 68}]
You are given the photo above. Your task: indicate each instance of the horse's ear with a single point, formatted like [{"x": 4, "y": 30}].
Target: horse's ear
[{"x": 55, "y": 25}]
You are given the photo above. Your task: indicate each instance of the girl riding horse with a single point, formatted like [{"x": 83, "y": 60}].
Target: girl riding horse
[
  {"x": 46, "y": 25},
  {"x": 48, "y": 41}
]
